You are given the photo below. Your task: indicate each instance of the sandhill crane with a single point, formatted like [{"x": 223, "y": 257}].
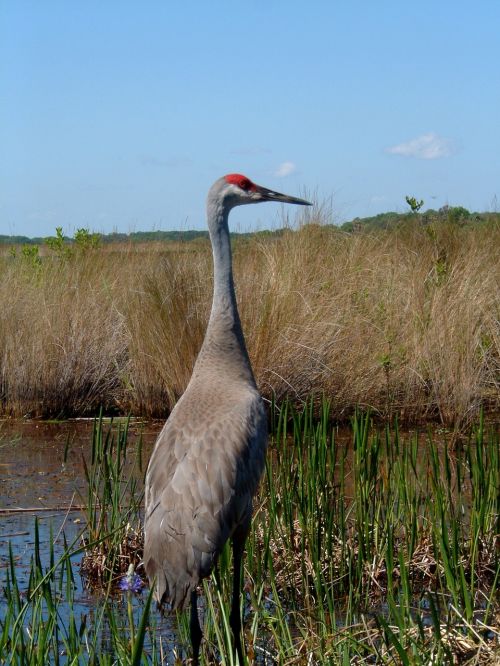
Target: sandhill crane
[{"x": 209, "y": 457}]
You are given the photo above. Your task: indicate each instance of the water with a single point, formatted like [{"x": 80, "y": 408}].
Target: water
[
  {"x": 42, "y": 477},
  {"x": 38, "y": 484},
  {"x": 42, "y": 480}
]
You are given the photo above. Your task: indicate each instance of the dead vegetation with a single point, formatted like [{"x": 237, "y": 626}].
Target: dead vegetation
[{"x": 404, "y": 321}]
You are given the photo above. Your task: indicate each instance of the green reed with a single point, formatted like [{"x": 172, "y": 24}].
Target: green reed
[
  {"x": 40, "y": 624},
  {"x": 113, "y": 503},
  {"x": 376, "y": 526},
  {"x": 112, "y": 488},
  {"x": 367, "y": 546}
]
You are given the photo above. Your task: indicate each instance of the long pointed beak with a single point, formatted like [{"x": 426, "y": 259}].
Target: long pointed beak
[{"x": 269, "y": 195}]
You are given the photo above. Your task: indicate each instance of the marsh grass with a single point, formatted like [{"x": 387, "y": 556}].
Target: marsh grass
[
  {"x": 367, "y": 547},
  {"x": 40, "y": 624},
  {"x": 404, "y": 322},
  {"x": 112, "y": 507},
  {"x": 389, "y": 540}
]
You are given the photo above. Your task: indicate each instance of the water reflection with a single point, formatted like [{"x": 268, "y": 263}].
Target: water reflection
[{"x": 42, "y": 479}]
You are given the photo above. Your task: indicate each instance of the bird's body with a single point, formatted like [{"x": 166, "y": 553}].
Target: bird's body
[
  {"x": 203, "y": 491},
  {"x": 209, "y": 457}
]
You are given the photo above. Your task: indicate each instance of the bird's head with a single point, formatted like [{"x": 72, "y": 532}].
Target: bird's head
[{"x": 237, "y": 190}]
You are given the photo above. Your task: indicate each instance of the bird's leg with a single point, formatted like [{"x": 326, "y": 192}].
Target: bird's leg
[
  {"x": 239, "y": 539},
  {"x": 194, "y": 628}
]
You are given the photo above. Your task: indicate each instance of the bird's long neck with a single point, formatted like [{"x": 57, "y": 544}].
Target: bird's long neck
[
  {"x": 224, "y": 297},
  {"x": 224, "y": 343}
]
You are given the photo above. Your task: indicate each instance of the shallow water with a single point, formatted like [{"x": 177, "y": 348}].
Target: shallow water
[
  {"x": 42, "y": 478},
  {"x": 38, "y": 484},
  {"x": 33, "y": 471},
  {"x": 34, "y": 476}
]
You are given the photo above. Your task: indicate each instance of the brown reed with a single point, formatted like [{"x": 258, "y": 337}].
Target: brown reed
[{"x": 405, "y": 321}]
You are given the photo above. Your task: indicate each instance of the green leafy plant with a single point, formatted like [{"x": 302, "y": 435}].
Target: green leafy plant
[
  {"x": 59, "y": 244},
  {"x": 414, "y": 204},
  {"x": 85, "y": 240},
  {"x": 30, "y": 254}
]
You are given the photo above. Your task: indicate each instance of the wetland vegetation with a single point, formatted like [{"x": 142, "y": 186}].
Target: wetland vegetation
[
  {"x": 403, "y": 320},
  {"x": 367, "y": 547}
]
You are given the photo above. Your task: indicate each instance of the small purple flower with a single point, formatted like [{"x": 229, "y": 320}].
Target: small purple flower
[{"x": 131, "y": 582}]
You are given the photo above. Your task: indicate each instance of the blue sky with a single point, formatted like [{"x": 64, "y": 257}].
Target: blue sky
[{"x": 120, "y": 115}]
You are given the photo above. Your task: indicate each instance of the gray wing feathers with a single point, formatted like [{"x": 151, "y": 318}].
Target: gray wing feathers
[{"x": 199, "y": 488}]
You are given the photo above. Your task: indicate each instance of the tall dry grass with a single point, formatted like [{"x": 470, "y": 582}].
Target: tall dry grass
[{"x": 404, "y": 321}]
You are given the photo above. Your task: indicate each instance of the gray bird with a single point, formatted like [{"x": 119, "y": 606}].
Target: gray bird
[{"x": 210, "y": 455}]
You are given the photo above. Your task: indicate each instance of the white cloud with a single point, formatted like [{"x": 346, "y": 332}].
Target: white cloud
[
  {"x": 285, "y": 169},
  {"x": 428, "y": 146}
]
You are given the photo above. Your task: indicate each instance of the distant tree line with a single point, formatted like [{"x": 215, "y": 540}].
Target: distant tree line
[
  {"x": 84, "y": 236},
  {"x": 452, "y": 214}
]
